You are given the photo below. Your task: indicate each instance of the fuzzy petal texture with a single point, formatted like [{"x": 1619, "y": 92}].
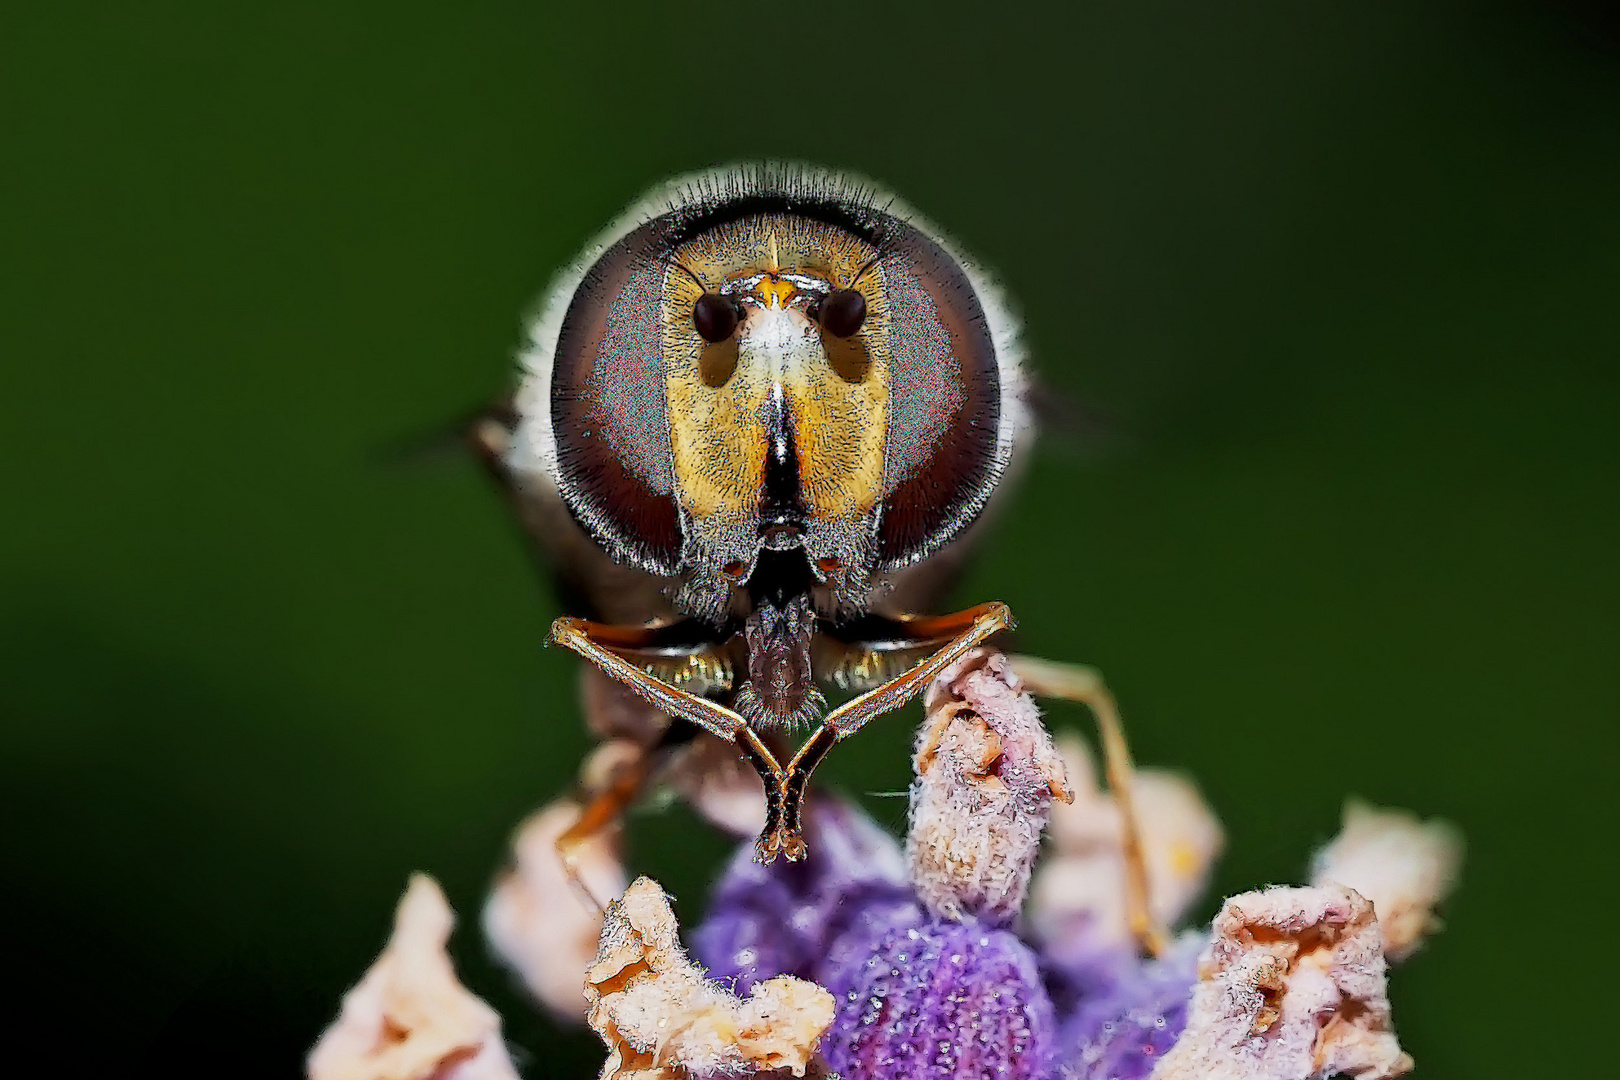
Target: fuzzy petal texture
[
  {"x": 1291, "y": 987},
  {"x": 1405, "y": 866},
  {"x": 409, "y": 1018},
  {"x": 1079, "y": 890},
  {"x": 941, "y": 1000},
  {"x": 986, "y": 776},
  {"x": 662, "y": 1020},
  {"x": 537, "y": 923}
]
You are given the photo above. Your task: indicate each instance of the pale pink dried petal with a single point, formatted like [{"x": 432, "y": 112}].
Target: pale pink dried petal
[
  {"x": 715, "y": 780},
  {"x": 663, "y": 1020},
  {"x": 613, "y": 710},
  {"x": 1404, "y": 865},
  {"x": 409, "y": 1018},
  {"x": 1291, "y": 987},
  {"x": 986, "y": 775},
  {"x": 537, "y": 922},
  {"x": 607, "y": 761},
  {"x": 1080, "y": 887}
]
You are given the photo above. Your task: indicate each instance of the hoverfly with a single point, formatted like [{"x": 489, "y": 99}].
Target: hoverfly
[{"x": 757, "y": 419}]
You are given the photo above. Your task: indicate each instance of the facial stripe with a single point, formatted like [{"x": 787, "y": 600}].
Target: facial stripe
[
  {"x": 831, "y": 391},
  {"x": 780, "y": 495}
]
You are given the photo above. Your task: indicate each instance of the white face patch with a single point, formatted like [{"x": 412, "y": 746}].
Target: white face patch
[{"x": 777, "y": 341}]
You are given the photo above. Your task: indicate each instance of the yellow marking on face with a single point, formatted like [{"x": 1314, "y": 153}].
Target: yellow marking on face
[
  {"x": 717, "y": 429},
  {"x": 840, "y": 430},
  {"x": 836, "y": 389},
  {"x": 775, "y": 294}
]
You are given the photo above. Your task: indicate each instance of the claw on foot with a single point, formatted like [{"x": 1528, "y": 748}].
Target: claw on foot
[{"x": 779, "y": 842}]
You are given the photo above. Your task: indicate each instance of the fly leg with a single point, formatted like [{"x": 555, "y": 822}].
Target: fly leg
[
  {"x": 971, "y": 628},
  {"x": 1075, "y": 682},
  {"x": 594, "y": 642},
  {"x": 605, "y": 803},
  {"x": 611, "y": 781}
]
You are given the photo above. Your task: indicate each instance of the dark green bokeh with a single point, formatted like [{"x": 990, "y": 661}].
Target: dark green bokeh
[{"x": 1345, "y": 284}]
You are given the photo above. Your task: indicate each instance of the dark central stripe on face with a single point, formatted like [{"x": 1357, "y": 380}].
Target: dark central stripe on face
[{"x": 780, "y": 500}]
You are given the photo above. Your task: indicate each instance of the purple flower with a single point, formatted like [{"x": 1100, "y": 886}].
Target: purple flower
[
  {"x": 1122, "y": 1029},
  {"x": 785, "y": 918},
  {"x": 876, "y": 963},
  {"x": 930, "y": 977},
  {"x": 939, "y": 999}
]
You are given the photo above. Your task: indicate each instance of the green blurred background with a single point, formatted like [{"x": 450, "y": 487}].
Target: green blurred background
[{"x": 1342, "y": 279}]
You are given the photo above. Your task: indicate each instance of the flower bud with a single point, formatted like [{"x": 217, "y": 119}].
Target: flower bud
[
  {"x": 1291, "y": 986},
  {"x": 1404, "y": 866},
  {"x": 986, "y": 775},
  {"x": 537, "y": 923},
  {"x": 410, "y": 1016}
]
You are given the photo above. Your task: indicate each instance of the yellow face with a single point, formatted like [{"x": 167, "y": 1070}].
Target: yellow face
[
  {"x": 779, "y": 376},
  {"x": 773, "y": 371}
]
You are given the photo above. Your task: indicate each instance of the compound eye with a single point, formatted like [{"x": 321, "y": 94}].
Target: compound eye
[
  {"x": 842, "y": 312},
  {"x": 715, "y": 317}
]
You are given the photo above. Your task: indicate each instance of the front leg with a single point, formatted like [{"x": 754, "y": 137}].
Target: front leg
[
  {"x": 971, "y": 627},
  {"x": 595, "y": 642}
]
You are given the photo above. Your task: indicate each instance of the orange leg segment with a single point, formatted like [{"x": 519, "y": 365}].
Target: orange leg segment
[{"x": 1075, "y": 682}]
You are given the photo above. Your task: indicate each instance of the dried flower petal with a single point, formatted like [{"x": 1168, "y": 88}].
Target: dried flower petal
[
  {"x": 1079, "y": 890},
  {"x": 784, "y": 918},
  {"x": 986, "y": 774},
  {"x": 1403, "y": 865},
  {"x": 662, "y": 1020},
  {"x": 535, "y": 919},
  {"x": 409, "y": 1018},
  {"x": 943, "y": 999},
  {"x": 1290, "y": 987}
]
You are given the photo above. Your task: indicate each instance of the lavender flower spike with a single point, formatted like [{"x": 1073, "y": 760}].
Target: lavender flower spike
[{"x": 942, "y": 999}]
